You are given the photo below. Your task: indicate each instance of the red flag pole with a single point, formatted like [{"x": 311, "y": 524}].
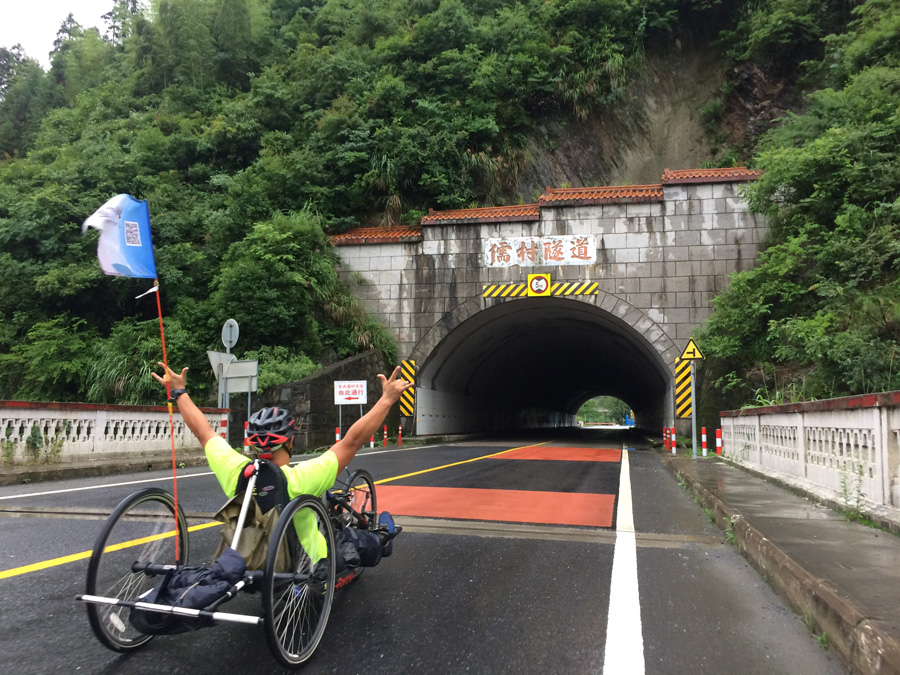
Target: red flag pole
[{"x": 162, "y": 337}]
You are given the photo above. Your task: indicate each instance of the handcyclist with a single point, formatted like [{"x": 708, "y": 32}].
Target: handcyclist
[{"x": 272, "y": 432}]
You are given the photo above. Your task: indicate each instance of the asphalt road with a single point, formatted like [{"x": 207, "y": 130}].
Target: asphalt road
[{"x": 485, "y": 593}]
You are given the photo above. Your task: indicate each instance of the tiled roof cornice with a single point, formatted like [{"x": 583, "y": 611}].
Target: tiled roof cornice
[
  {"x": 552, "y": 197},
  {"x": 624, "y": 194},
  {"x": 488, "y": 214},
  {"x": 378, "y": 235},
  {"x": 733, "y": 174}
]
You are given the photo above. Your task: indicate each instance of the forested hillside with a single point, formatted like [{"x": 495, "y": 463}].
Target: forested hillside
[
  {"x": 255, "y": 128},
  {"x": 819, "y": 316}
]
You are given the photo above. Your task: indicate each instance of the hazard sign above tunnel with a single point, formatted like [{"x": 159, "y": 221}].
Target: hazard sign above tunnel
[{"x": 540, "y": 285}]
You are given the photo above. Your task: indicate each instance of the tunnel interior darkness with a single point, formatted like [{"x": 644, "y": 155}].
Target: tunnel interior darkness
[{"x": 546, "y": 353}]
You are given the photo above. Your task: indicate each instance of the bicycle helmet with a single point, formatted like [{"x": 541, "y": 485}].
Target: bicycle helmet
[{"x": 270, "y": 427}]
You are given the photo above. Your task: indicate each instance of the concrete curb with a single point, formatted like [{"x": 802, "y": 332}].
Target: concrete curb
[
  {"x": 860, "y": 641},
  {"x": 887, "y": 518},
  {"x": 36, "y": 473}
]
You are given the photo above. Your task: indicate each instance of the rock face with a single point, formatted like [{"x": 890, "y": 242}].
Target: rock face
[
  {"x": 756, "y": 101},
  {"x": 661, "y": 124},
  {"x": 658, "y": 126}
]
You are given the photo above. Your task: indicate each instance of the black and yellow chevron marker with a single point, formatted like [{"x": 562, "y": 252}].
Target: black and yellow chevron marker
[
  {"x": 575, "y": 288},
  {"x": 504, "y": 291},
  {"x": 559, "y": 288},
  {"x": 408, "y": 397},
  {"x": 684, "y": 406}
]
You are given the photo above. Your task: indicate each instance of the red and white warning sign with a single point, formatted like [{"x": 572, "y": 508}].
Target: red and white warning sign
[
  {"x": 349, "y": 392},
  {"x": 538, "y": 284}
]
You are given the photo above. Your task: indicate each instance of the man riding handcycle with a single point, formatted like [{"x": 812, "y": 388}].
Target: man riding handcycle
[{"x": 279, "y": 537}]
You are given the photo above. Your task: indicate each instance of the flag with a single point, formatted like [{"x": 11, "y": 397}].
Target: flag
[{"x": 125, "y": 248}]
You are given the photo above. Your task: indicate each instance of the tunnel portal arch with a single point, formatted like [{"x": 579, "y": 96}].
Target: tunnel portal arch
[
  {"x": 533, "y": 362},
  {"x": 646, "y": 261}
]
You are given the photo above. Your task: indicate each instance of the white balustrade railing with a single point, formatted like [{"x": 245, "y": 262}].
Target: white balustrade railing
[
  {"x": 73, "y": 432},
  {"x": 846, "y": 446}
]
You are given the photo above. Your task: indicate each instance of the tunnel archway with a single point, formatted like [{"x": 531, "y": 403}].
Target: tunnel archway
[{"x": 532, "y": 362}]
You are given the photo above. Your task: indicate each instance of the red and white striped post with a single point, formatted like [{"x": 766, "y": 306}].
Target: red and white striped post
[
  {"x": 337, "y": 434},
  {"x": 703, "y": 439},
  {"x": 372, "y": 441},
  {"x": 247, "y": 434},
  {"x": 400, "y": 435},
  {"x": 385, "y": 435},
  {"x": 718, "y": 441},
  {"x": 674, "y": 442},
  {"x": 666, "y": 438}
]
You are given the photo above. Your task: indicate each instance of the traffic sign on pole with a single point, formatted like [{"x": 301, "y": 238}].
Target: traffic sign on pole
[
  {"x": 350, "y": 391},
  {"x": 230, "y": 332},
  {"x": 692, "y": 352},
  {"x": 219, "y": 362}
]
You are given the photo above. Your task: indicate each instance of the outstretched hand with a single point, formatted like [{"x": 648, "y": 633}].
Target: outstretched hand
[
  {"x": 176, "y": 381},
  {"x": 392, "y": 387}
]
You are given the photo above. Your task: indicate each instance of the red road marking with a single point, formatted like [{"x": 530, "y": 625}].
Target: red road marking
[
  {"x": 518, "y": 506},
  {"x": 565, "y": 454}
]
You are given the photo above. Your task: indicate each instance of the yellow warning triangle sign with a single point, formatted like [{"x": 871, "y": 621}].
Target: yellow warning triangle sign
[{"x": 691, "y": 351}]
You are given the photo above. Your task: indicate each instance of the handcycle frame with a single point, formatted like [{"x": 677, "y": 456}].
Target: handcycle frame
[{"x": 297, "y": 582}]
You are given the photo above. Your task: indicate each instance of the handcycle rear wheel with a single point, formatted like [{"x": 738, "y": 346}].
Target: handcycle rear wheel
[
  {"x": 298, "y": 582},
  {"x": 142, "y": 529}
]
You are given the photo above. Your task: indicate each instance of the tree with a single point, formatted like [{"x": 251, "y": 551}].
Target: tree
[{"x": 10, "y": 61}]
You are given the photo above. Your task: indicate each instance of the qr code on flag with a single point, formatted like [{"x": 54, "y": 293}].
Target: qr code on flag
[{"x": 132, "y": 234}]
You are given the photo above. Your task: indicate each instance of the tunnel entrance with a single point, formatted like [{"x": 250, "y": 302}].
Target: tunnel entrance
[{"x": 532, "y": 362}]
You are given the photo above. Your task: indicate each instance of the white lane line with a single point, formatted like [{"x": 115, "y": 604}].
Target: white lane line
[
  {"x": 107, "y": 485},
  {"x": 624, "y": 637}
]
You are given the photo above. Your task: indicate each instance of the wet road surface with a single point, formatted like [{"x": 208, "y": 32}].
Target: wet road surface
[{"x": 505, "y": 565}]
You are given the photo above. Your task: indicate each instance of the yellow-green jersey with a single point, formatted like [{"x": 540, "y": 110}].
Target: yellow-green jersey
[{"x": 313, "y": 476}]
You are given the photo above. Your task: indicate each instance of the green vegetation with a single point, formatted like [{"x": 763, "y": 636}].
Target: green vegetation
[
  {"x": 603, "y": 409},
  {"x": 819, "y": 315},
  {"x": 257, "y": 128}
]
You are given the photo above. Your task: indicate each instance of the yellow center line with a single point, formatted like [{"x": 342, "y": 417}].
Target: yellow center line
[
  {"x": 18, "y": 571},
  {"x": 447, "y": 466},
  {"x": 45, "y": 564}
]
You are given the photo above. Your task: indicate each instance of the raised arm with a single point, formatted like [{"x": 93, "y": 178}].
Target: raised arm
[
  {"x": 193, "y": 418},
  {"x": 346, "y": 448}
]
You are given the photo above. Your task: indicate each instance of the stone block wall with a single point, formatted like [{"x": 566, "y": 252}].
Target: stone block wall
[
  {"x": 311, "y": 400},
  {"x": 665, "y": 258}
]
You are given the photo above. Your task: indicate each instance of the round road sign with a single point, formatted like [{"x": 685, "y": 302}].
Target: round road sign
[
  {"x": 538, "y": 285},
  {"x": 230, "y": 332}
]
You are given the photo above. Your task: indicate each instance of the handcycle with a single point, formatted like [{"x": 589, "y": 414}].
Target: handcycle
[{"x": 144, "y": 544}]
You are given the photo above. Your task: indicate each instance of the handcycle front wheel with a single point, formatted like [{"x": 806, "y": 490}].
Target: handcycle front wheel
[
  {"x": 142, "y": 529},
  {"x": 361, "y": 488},
  {"x": 298, "y": 581}
]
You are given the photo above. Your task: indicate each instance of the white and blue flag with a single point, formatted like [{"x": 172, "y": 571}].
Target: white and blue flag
[{"x": 125, "y": 248}]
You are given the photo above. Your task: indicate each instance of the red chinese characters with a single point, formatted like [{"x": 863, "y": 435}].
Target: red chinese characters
[{"x": 538, "y": 251}]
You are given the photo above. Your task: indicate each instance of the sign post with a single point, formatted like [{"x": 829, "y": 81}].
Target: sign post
[
  {"x": 242, "y": 376},
  {"x": 693, "y": 354},
  {"x": 230, "y": 332},
  {"x": 349, "y": 392}
]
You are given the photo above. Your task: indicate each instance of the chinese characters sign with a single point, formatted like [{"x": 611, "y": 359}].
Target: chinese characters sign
[
  {"x": 349, "y": 391},
  {"x": 540, "y": 251}
]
